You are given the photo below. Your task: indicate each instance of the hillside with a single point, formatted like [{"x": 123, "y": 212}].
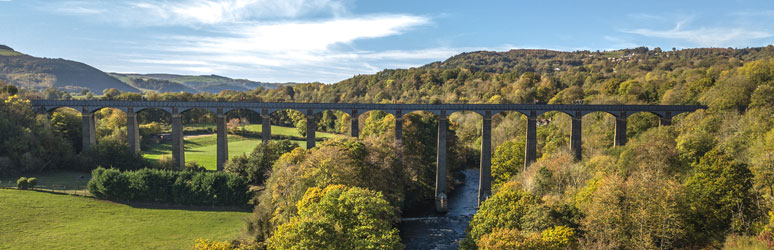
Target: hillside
[
  {"x": 634, "y": 76},
  {"x": 40, "y": 73},
  {"x": 187, "y": 83}
]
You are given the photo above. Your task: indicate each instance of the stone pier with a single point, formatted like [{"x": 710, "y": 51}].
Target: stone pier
[
  {"x": 354, "y": 131},
  {"x": 441, "y": 200},
  {"x": 620, "y": 130},
  {"x": 575, "y": 135},
  {"x": 485, "y": 175},
  {"x": 666, "y": 119},
  {"x": 265, "y": 125},
  {"x": 220, "y": 121},
  {"x": 530, "y": 152},
  {"x": 311, "y": 127},
  {"x": 132, "y": 130},
  {"x": 88, "y": 128},
  {"x": 178, "y": 150}
]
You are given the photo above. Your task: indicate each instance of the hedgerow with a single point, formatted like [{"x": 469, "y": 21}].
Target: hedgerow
[{"x": 167, "y": 186}]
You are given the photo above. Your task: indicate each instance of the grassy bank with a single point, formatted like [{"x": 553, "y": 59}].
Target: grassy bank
[{"x": 39, "y": 220}]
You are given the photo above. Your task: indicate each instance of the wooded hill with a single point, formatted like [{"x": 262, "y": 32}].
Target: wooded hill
[
  {"x": 40, "y": 73},
  {"x": 639, "y": 75},
  {"x": 190, "y": 84}
]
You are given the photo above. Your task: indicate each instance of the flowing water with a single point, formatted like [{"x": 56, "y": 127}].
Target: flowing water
[{"x": 443, "y": 231}]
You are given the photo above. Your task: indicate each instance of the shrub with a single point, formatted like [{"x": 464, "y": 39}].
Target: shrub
[
  {"x": 21, "y": 183},
  {"x": 194, "y": 167},
  {"x": 165, "y": 162},
  {"x": 559, "y": 237},
  {"x": 166, "y": 186},
  {"x": 205, "y": 244},
  {"x": 32, "y": 182}
]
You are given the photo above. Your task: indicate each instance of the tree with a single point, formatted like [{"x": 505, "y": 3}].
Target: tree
[
  {"x": 339, "y": 217},
  {"x": 720, "y": 196},
  {"x": 507, "y": 161},
  {"x": 257, "y": 165},
  {"x": 111, "y": 93},
  {"x": 505, "y": 209},
  {"x": 67, "y": 124}
]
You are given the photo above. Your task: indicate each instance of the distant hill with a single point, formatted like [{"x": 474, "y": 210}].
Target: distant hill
[
  {"x": 186, "y": 83},
  {"x": 39, "y": 73}
]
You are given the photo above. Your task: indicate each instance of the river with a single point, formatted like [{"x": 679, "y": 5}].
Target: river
[{"x": 443, "y": 231}]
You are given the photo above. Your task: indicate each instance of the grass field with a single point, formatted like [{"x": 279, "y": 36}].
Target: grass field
[
  {"x": 58, "y": 181},
  {"x": 203, "y": 149},
  {"x": 39, "y": 220}
]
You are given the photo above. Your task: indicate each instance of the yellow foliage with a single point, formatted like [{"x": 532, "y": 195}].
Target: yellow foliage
[{"x": 204, "y": 244}]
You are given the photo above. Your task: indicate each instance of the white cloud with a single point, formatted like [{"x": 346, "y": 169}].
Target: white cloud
[
  {"x": 294, "y": 37},
  {"x": 198, "y": 12},
  {"x": 704, "y": 36},
  {"x": 265, "y": 40},
  {"x": 80, "y": 10}
]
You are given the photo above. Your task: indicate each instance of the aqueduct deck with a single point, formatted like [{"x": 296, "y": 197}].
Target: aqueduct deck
[{"x": 576, "y": 112}]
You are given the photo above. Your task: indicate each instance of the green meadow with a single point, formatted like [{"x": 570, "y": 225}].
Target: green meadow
[
  {"x": 203, "y": 148},
  {"x": 42, "y": 220}
]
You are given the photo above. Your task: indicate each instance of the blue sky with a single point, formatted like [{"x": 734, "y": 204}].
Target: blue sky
[{"x": 330, "y": 40}]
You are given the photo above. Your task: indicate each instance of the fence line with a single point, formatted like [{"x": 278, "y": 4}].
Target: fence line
[{"x": 59, "y": 189}]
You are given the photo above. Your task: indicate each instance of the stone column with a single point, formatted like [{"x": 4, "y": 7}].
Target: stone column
[
  {"x": 441, "y": 200},
  {"x": 220, "y": 120},
  {"x": 530, "y": 152},
  {"x": 575, "y": 135},
  {"x": 620, "y": 130},
  {"x": 399, "y": 136},
  {"x": 666, "y": 120},
  {"x": 485, "y": 174},
  {"x": 88, "y": 129},
  {"x": 399, "y": 128},
  {"x": 265, "y": 125},
  {"x": 132, "y": 130},
  {"x": 178, "y": 150},
  {"x": 311, "y": 126},
  {"x": 354, "y": 130}
]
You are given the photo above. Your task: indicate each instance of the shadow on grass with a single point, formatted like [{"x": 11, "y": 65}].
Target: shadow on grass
[
  {"x": 152, "y": 205},
  {"x": 144, "y": 205}
]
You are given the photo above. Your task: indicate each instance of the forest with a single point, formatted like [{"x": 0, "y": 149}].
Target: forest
[{"x": 699, "y": 183}]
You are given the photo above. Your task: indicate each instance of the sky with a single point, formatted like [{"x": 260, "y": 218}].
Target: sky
[{"x": 330, "y": 40}]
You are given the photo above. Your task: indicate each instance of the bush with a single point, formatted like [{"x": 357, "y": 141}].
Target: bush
[
  {"x": 26, "y": 183},
  {"x": 21, "y": 183},
  {"x": 194, "y": 167},
  {"x": 165, "y": 186},
  {"x": 32, "y": 182}
]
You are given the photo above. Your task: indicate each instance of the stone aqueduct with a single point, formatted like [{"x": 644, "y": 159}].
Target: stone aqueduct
[{"x": 576, "y": 112}]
